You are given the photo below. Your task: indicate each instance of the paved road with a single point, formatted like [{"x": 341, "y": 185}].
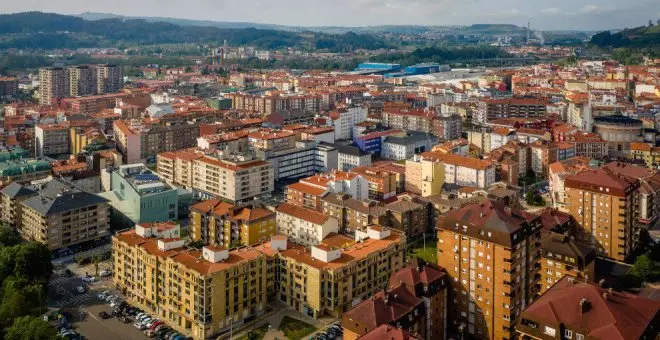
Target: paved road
[
  {"x": 92, "y": 327},
  {"x": 62, "y": 292}
]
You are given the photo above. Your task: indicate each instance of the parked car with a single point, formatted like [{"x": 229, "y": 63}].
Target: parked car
[
  {"x": 80, "y": 290},
  {"x": 103, "y": 295},
  {"x": 105, "y": 273},
  {"x": 139, "y": 325},
  {"x": 104, "y": 315},
  {"x": 88, "y": 279}
]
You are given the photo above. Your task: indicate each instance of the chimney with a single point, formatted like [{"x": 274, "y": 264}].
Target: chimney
[{"x": 584, "y": 305}]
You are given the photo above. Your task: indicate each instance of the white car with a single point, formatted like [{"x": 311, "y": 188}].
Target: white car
[
  {"x": 140, "y": 326},
  {"x": 80, "y": 289},
  {"x": 105, "y": 273},
  {"x": 89, "y": 279}
]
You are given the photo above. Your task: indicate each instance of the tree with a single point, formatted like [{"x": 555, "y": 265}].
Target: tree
[
  {"x": 643, "y": 268},
  {"x": 8, "y": 236},
  {"x": 30, "y": 328},
  {"x": 14, "y": 303},
  {"x": 33, "y": 262}
]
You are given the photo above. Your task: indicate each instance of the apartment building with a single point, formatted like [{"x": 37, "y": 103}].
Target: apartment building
[
  {"x": 416, "y": 120},
  {"x": 110, "y": 78},
  {"x": 382, "y": 183},
  {"x": 612, "y": 315},
  {"x": 11, "y": 197},
  {"x": 337, "y": 273},
  {"x": 337, "y": 181},
  {"x": 226, "y": 225},
  {"x": 396, "y": 306},
  {"x": 271, "y": 140},
  {"x": 305, "y": 159},
  {"x": 343, "y": 120},
  {"x": 646, "y": 196},
  {"x": 349, "y": 157},
  {"x": 557, "y": 174},
  {"x": 424, "y": 176},
  {"x": 200, "y": 293},
  {"x": 400, "y": 148},
  {"x": 53, "y": 85},
  {"x": 490, "y": 109},
  {"x": 447, "y": 127},
  {"x": 588, "y": 145},
  {"x": 563, "y": 256},
  {"x": 603, "y": 204},
  {"x": 463, "y": 171},
  {"x": 305, "y": 195},
  {"x": 140, "y": 196},
  {"x": 139, "y": 141},
  {"x": 8, "y": 87},
  {"x": 62, "y": 217},
  {"x": 82, "y": 139},
  {"x": 646, "y": 153},
  {"x": 22, "y": 170},
  {"x": 82, "y": 80},
  {"x": 488, "y": 251},
  {"x": 542, "y": 155},
  {"x": 269, "y": 104},
  {"x": 428, "y": 282},
  {"x": 51, "y": 139},
  {"x": 304, "y": 226},
  {"x": 234, "y": 179}
]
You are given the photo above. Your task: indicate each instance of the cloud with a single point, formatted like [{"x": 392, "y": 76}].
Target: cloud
[
  {"x": 551, "y": 10},
  {"x": 592, "y": 9},
  {"x": 509, "y": 13}
]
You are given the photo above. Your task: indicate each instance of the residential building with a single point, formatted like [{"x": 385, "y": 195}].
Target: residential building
[
  {"x": 645, "y": 152},
  {"x": 385, "y": 331},
  {"x": 588, "y": 145},
  {"x": 140, "y": 142},
  {"x": 400, "y": 148},
  {"x": 646, "y": 196},
  {"x": 612, "y": 315},
  {"x": 235, "y": 178},
  {"x": 62, "y": 217},
  {"x": 337, "y": 273},
  {"x": 344, "y": 119},
  {"x": 543, "y": 154},
  {"x": 223, "y": 224},
  {"x": 464, "y": 171},
  {"x": 424, "y": 176},
  {"x": 488, "y": 251},
  {"x": 416, "y": 120},
  {"x": 350, "y": 157},
  {"x": 82, "y": 80},
  {"x": 557, "y": 174},
  {"x": 15, "y": 166},
  {"x": 305, "y": 195},
  {"x": 53, "y": 85},
  {"x": 382, "y": 182},
  {"x": 396, "y": 306},
  {"x": 447, "y": 127},
  {"x": 304, "y": 226},
  {"x": 11, "y": 197},
  {"x": 200, "y": 293},
  {"x": 500, "y": 137},
  {"x": 602, "y": 202},
  {"x": 337, "y": 181},
  {"x": 8, "y": 87},
  {"x": 51, "y": 139},
  {"x": 428, "y": 282},
  {"x": 270, "y": 140},
  {"x": 140, "y": 196},
  {"x": 110, "y": 78},
  {"x": 81, "y": 139},
  {"x": 562, "y": 256},
  {"x": 490, "y": 109}
]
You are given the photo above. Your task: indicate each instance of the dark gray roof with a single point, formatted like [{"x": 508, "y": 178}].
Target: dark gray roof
[
  {"x": 411, "y": 138},
  {"x": 351, "y": 150},
  {"x": 16, "y": 190},
  {"x": 64, "y": 202}
]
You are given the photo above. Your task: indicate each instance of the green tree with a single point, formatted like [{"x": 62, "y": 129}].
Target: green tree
[
  {"x": 14, "y": 303},
  {"x": 643, "y": 268},
  {"x": 8, "y": 236},
  {"x": 30, "y": 328},
  {"x": 33, "y": 262}
]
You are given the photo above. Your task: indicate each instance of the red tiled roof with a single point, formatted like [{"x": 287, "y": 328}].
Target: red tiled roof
[
  {"x": 387, "y": 332},
  {"x": 302, "y": 213},
  {"x": 608, "y": 315}
]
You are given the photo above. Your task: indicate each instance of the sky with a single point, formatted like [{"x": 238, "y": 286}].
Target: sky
[{"x": 542, "y": 14}]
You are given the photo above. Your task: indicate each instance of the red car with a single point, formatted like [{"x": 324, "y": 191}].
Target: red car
[{"x": 155, "y": 324}]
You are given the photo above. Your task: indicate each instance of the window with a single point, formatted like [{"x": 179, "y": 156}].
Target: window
[
  {"x": 568, "y": 334},
  {"x": 549, "y": 331},
  {"x": 579, "y": 336}
]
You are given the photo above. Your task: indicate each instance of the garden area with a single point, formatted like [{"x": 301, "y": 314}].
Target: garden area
[
  {"x": 428, "y": 253},
  {"x": 257, "y": 334},
  {"x": 295, "y": 329}
]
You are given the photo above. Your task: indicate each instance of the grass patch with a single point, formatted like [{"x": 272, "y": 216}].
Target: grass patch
[
  {"x": 430, "y": 254},
  {"x": 258, "y": 333},
  {"x": 295, "y": 329}
]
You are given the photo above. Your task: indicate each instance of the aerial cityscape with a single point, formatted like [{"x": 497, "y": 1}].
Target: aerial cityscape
[{"x": 307, "y": 170}]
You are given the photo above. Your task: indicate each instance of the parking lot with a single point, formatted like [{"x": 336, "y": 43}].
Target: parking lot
[{"x": 93, "y": 327}]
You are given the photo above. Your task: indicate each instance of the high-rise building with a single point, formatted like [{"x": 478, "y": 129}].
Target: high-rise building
[
  {"x": 602, "y": 202},
  {"x": 82, "y": 80},
  {"x": 110, "y": 78},
  {"x": 53, "y": 84},
  {"x": 489, "y": 252}
]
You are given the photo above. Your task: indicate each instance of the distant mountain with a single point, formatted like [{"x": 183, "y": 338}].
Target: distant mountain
[
  {"x": 639, "y": 37},
  {"x": 48, "y": 31}
]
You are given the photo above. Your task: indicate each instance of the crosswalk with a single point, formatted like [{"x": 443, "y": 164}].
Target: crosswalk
[{"x": 73, "y": 300}]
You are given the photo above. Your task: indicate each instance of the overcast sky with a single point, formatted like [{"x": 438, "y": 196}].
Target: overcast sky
[{"x": 543, "y": 14}]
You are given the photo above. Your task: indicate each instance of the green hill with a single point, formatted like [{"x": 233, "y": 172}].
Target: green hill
[
  {"x": 39, "y": 30},
  {"x": 639, "y": 37}
]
